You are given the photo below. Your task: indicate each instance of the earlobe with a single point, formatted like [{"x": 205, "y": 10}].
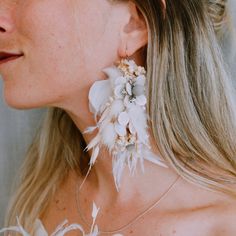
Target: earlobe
[{"x": 134, "y": 35}]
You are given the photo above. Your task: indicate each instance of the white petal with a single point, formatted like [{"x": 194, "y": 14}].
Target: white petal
[
  {"x": 123, "y": 118},
  {"x": 139, "y": 120},
  {"x": 118, "y": 90},
  {"x": 120, "y": 80},
  {"x": 99, "y": 94},
  {"x": 141, "y": 100},
  {"x": 120, "y": 129},
  {"x": 129, "y": 88},
  {"x": 138, "y": 90},
  {"x": 140, "y": 80}
]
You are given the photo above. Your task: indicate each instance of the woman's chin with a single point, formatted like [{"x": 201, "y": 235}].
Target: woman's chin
[{"x": 20, "y": 102}]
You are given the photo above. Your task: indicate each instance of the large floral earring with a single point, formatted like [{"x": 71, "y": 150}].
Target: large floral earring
[{"x": 120, "y": 102}]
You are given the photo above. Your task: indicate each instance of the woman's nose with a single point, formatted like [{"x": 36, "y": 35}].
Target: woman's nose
[{"x": 6, "y": 22}]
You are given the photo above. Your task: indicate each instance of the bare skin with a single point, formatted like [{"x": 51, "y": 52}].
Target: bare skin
[
  {"x": 186, "y": 210},
  {"x": 66, "y": 44}
]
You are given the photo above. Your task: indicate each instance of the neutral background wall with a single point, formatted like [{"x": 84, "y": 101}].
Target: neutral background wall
[
  {"x": 16, "y": 131},
  {"x": 18, "y": 127}
]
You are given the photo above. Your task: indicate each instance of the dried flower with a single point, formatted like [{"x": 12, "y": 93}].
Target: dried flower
[{"x": 121, "y": 103}]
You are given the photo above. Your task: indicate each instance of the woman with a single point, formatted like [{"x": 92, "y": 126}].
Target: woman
[{"x": 65, "y": 48}]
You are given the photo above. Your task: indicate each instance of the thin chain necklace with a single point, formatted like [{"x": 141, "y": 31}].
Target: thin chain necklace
[{"x": 134, "y": 220}]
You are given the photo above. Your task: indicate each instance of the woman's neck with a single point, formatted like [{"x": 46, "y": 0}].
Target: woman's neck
[{"x": 148, "y": 184}]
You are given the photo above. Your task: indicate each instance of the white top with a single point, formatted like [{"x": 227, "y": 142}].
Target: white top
[
  {"x": 40, "y": 229},
  {"x": 61, "y": 230}
]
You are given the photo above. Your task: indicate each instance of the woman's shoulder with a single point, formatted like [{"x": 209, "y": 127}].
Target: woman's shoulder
[
  {"x": 225, "y": 220},
  {"x": 208, "y": 210},
  {"x": 194, "y": 210}
]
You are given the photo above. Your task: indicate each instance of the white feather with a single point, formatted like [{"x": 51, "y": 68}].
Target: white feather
[
  {"x": 150, "y": 156},
  {"x": 90, "y": 129},
  {"x": 99, "y": 94},
  {"x": 118, "y": 164},
  {"x": 109, "y": 135},
  {"x": 105, "y": 115},
  {"x": 95, "y": 211},
  {"x": 117, "y": 107},
  {"x": 123, "y": 118},
  {"x": 95, "y": 141},
  {"x": 94, "y": 155}
]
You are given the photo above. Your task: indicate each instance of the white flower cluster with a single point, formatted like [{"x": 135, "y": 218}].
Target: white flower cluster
[
  {"x": 129, "y": 92},
  {"x": 120, "y": 102}
]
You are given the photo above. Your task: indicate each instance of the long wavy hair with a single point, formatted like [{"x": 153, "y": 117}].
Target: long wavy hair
[{"x": 190, "y": 104}]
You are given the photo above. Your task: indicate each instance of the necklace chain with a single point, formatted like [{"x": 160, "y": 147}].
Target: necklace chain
[{"x": 131, "y": 222}]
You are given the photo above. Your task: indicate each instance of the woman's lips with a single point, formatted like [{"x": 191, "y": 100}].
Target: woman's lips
[{"x": 6, "y": 57}]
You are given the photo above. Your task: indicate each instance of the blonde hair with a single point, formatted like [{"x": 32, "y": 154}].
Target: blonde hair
[{"x": 190, "y": 103}]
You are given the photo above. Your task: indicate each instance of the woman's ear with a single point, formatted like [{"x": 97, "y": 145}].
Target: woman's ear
[{"x": 134, "y": 35}]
